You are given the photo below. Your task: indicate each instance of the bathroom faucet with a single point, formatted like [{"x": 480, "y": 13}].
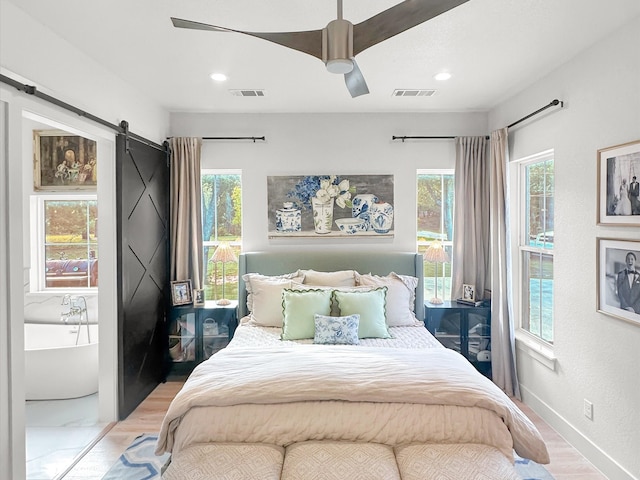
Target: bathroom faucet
[{"x": 77, "y": 307}]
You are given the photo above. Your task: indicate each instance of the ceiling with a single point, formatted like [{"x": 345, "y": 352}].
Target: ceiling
[{"x": 492, "y": 48}]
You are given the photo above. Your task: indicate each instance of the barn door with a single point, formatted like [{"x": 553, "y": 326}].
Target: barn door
[{"x": 142, "y": 185}]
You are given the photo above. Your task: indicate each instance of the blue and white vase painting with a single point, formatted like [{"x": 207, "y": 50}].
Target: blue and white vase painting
[
  {"x": 362, "y": 207},
  {"x": 381, "y": 217},
  {"x": 288, "y": 219}
]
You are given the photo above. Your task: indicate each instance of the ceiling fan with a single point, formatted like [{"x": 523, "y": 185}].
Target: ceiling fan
[{"x": 340, "y": 41}]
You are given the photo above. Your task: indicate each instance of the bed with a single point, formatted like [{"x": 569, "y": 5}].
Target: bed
[{"x": 331, "y": 374}]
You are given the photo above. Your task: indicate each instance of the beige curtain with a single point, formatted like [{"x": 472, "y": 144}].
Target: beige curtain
[
  {"x": 186, "y": 211},
  {"x": 502, "y": 333},
  {"x": 470, "y": 263}
]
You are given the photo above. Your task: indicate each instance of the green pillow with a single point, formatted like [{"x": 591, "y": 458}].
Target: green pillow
[
  {"x": 371, "y": 308},
  {"x": 299, "y": 308}
]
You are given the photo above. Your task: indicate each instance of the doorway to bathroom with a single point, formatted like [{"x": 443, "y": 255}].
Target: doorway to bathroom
[{"x": 69, "y": 330}]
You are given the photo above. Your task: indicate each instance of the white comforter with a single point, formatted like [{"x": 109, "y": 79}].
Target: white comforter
[{"x": 385, "y": 395}]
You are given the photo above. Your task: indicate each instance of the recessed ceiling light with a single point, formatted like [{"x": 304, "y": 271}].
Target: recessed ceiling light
[
  {"x": 218, "y": 77},
  {"x": 442, "y": 76}
]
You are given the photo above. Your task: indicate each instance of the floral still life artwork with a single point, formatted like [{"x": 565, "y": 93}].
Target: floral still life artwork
[{"x": 330, "y": 205}]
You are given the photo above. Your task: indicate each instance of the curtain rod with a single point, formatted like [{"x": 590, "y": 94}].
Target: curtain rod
[
  {"x": 32, "y": 90},
  {"x": 427, "y": 137},
  {"x": 553, "y": 103},
  {"x": 232, "y": 138}
]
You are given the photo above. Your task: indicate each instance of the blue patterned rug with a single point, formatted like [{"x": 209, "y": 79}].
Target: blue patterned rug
[{"x": 138, "y": 462}]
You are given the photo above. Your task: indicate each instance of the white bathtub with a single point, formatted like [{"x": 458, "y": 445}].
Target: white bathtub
[{"x": 57, "y": 368}]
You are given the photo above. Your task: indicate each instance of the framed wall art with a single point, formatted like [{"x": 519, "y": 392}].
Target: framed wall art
[
  {"x": 618, "y": 185},
  {"x": 321, "y": 206},
  {"x": 181, "y": 292},
  {"x": 63, "y": 161},
  {"x": 618, "y": 278}
]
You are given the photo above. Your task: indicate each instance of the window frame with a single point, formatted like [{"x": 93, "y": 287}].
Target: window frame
[
  {"x": 37, "y": 276},
  {"x": 521, "y": 247},
  {"x": 447, "y": 244},
  {"x": 214, "y": 243}
]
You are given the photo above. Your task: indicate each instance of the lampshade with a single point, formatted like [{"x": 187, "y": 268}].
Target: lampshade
[
  {"x": 224, "y": 253},
  {"x": 436, "y": 253}
]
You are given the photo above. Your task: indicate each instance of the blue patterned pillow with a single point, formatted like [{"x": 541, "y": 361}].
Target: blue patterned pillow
[{"x": 337, "y": 330}]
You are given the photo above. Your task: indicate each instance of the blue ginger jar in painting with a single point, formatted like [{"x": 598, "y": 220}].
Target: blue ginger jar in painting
[
  {"x": 288, "y": 219},
  {"x": 381, "y": 217},
  {"x": 362, "y": 207}
]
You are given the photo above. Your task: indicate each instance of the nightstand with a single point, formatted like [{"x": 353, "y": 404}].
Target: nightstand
[
  {"x": 196, "y": 333},
  {"x": 464, "y": 328}
]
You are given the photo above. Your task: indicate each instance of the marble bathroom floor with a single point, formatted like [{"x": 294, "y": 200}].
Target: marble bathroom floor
[{"x": 57, "y": 431}]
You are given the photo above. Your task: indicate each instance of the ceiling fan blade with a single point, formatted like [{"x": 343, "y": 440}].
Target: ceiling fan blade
[
  {"x": 355, "y": 81},
  {"x": 397, "y": 19},
  {"x": 309, "y": 42}
]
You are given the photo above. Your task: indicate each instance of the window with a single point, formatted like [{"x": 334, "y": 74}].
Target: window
[
  {"x": 67, "y": 241},
  {"x": 221, "y": 223},
  {"x": 536, "y": 245},
  {"x": 435, "y": 222}
]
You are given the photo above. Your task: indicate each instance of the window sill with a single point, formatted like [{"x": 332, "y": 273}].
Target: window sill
[{"x": 536, "y": 350}]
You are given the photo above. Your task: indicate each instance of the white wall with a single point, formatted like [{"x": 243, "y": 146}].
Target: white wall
[
  {"x": 27, "y": 55},
  {"x": 597, "y": 355},
  {"x": 340, "y": 144}
]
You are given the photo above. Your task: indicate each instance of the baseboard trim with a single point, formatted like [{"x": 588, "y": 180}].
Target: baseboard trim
[{"x": 600, "y": 459}]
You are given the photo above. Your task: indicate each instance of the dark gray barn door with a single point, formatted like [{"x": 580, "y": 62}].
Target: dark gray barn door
[{"x": 142, "y": 185}]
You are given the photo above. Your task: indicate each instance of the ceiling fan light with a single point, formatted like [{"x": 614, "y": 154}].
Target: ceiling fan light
[{"x": 340, "y": 65}]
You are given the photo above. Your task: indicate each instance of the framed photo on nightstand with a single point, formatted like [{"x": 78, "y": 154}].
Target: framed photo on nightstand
[
  {"x": 181, "y": 293},
  {"x": 469, "y": 292}
]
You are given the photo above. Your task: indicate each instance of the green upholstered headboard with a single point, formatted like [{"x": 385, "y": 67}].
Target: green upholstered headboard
[{"x": 377, "y": 263}]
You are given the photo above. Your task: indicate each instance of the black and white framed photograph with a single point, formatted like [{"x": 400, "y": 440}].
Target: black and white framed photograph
[
  {"x": 618, "y": 185},
  {"x": 181, "y": 293},
  {"x": 198, "y": 298},
  {"x": 618, "y": 281},
  {"x": 469, "y": 292}
]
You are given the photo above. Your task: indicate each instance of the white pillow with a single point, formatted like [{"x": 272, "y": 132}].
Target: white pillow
[
  {"x": 248, "y": 278},
  {"x": 340, "y": 278},
  {"x": 267, "y": 300},
  {"x": 401, "y": 295}
]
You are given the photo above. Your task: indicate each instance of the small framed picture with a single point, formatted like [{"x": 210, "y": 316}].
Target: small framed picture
[
  {"x": 618, "y": 185},
  {"x": 181, "y": 293},
  {"x": 618, "y": 279},
  {"x": 198, "y": 298},
  {"x": 469, "y": 292}
]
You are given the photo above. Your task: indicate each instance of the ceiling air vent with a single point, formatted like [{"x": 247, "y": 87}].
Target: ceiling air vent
[
  {"x": 413, "y": 93},
  {"x": 247, "y": 93}
]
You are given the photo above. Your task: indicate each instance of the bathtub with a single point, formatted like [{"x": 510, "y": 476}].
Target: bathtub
[{"x": 57, "y": 368}]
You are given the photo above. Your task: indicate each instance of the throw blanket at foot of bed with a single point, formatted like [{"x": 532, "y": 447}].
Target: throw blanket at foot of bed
[{"x": 380, "y": 395}]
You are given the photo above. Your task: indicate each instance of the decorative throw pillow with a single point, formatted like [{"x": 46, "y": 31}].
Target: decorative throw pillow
[
  {"x": 251, "y": 285},
  {"x": 267, "y": 301},
  {"x": 299, "y": 308},
  {"x": 401, "y": 297},
  {"x": 371, "y": 308},
  {"x": 340, "y": 278},
  {"x": 337, "y": 330}
]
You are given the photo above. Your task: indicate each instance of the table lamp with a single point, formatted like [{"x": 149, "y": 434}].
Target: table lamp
[
  {"x": 224, "y": 253},
  {"x": 436, "y": 253}
]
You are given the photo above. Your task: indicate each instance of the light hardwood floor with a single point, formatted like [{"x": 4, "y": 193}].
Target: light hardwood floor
[{"x": 566, "y": 462}]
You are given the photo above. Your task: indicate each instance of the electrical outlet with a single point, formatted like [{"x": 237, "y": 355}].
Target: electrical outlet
[{"x": 588, "y": 409}]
